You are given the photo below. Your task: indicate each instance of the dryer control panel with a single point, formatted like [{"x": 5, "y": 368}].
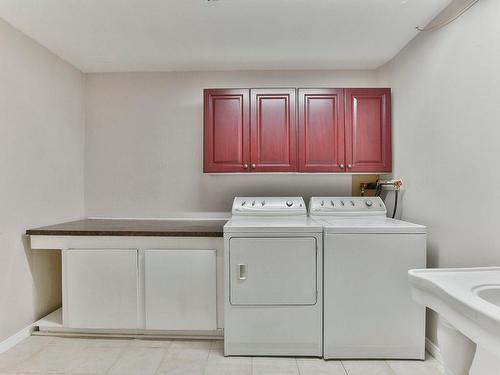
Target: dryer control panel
[
  {"x": 346, "y": 206},
  {"x": 269, "y": 206}
]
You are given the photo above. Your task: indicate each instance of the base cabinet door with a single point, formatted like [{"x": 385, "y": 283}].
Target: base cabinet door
[
  {"x": 101, "y": 289},
  {"x": 180, "y": 289}
]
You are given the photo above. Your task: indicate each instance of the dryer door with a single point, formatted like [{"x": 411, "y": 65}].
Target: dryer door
[{"x": 273, "y": 271}]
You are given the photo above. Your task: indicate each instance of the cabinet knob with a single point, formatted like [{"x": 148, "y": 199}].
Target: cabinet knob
[
  {"x": 254, "y": 166},
  {"x": 245, "y": 166},
  {"x": 349, "y": 165},
  {"x": 341, "y": 165}
]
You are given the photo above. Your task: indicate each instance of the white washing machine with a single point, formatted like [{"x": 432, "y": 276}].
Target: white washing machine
[
  {"x": 368, "y": 309},
  {"x": 272, "y": 279}
]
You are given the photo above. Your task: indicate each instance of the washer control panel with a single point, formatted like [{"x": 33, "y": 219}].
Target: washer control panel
[
  {"x": 346, "y": 206},
  {"x": 269, "y": 206}
]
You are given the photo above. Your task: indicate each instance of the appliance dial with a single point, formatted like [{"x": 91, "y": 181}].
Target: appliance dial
[
  {"x": 368, "y": 203},
  {"x": 289, "y": 203}
]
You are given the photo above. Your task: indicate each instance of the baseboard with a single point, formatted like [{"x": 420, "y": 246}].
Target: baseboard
[
  {"x": 16, "y": 338},
  {"x": 433, "y": 349}
]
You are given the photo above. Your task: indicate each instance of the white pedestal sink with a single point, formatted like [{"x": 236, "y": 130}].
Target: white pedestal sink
[
  {"x": 490, "y": 293},
  {"x": 468, "y": 302}
]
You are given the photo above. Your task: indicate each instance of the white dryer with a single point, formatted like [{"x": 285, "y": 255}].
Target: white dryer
[
  {"x": 368, "y": 309},
  {"x": 272, "y": 279}
]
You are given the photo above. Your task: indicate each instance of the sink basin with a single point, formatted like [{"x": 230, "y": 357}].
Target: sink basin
[
  {"x": 468, "y": 303},
  {"x": 490, "y": 293}
]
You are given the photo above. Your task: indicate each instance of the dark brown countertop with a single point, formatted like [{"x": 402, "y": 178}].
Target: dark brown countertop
[{"x": 129, "y": 227}]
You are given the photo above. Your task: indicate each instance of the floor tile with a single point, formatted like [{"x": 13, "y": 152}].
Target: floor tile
[
  {"x": 171, "y": 366},
  {"x": 85, "y": 342},
  {"x": 274, "y": 366},
  {"x": 32, "y": 344},
  {"x": 414, "y": 368},
  {"x": 190, "y": 350},
  {"x": 434, "y": 362},
  {"x": 138, "y": 361},
  {"x": 367, "y": 368},
  {"x": 39, "y": 355},
  {"x": 20, "y": 353},
  {"x": 94, "y": 360},
  {"x": 50, "y": 359},
  {"x": 217, "y": 344},
  {"x": 146, "y": 343},
  {"x": 320, "y": 367},
  {"x": 228, "y": 369},
  {"x": 10, "y": 361},
  {"x": 217, "y": 356}
]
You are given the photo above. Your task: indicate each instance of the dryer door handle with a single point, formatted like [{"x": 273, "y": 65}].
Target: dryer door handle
[{"x": 242, "y": 271}]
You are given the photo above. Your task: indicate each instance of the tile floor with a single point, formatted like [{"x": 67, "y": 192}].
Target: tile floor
[{"x": 39, "y": 355}]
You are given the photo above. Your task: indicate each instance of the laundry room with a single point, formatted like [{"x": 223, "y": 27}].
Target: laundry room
[{"x": 249, "y": 187}]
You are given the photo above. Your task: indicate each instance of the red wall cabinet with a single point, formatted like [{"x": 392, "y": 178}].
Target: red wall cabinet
[
  {"x": 368, "y": 130},
  {"x": 333, "y": 130},
  {"x": 226, "y": 130},
  {"x": 250, "y": 130},
  {"x": 321, "y": 130},
  {"x": 273, "y": 134}
]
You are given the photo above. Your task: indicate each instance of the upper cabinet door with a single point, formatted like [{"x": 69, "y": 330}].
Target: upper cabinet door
[
  {"x": 321, "y": 130},
  {"x": 368, "y": 130},
  {"x": 227, "y": 130},
  {"x": 273, "y": 130}
]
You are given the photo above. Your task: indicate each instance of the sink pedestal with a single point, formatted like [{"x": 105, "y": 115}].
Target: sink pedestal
[{"x": 457, "y": 350}]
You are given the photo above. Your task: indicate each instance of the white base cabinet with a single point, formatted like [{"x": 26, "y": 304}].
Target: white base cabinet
[
  {"x": 138, "y": 285},
  {"x": 101, "y": 288},
  {"x": 180, "y": 289}
]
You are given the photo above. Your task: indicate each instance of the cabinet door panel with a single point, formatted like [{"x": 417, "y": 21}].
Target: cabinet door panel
[
  {"x": 321, "y": 130},
  {"x": 273, "y": 130},
  {"x": 101, "y": 288},
  {"x": 368, "y": 130},
  {"x": 180, "y": 289},
  {"x": 226, "y": 130}
]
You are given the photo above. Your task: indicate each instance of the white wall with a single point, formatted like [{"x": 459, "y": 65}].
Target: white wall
[
  {"x": 41, "y": 169},
  {"x": 446, "y": 136},
  {"x": 144, "y": 143}
]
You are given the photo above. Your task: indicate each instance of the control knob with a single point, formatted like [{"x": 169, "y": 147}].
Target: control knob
[
  {"x": 289, "y": 203},
  {"x": 368, "y": 203}
]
